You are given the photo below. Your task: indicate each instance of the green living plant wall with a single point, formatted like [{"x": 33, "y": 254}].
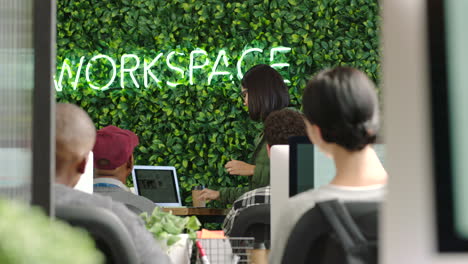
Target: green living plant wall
[{"x": 169, "y": 69}]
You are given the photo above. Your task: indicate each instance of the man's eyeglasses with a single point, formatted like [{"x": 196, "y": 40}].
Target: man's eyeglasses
[{"x": 244, "y": 93}]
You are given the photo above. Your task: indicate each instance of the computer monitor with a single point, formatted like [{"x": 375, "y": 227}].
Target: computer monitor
[
  {"x": 301, "y": 169},
  {"x": 309, "y": 168},
  {"x": 448, "y": 41},
  {"x": 157, "y": 183}
]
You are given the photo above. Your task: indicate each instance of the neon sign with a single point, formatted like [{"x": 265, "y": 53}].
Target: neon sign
[
  {"x": 130, "y": 64},
  {"x": 114, "y": 71}
]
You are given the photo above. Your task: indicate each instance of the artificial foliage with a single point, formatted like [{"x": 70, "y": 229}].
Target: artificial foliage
[{"x": 199, "y": 127}]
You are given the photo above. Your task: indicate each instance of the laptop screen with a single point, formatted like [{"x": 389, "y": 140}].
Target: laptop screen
[{"x": 159, "y": 184}]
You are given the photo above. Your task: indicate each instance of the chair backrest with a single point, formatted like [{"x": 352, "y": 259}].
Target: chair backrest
[
  {"x": 333, "y": 232},
  {"x": 109, "y": 233},
  {"x": 253, "y": 221}
]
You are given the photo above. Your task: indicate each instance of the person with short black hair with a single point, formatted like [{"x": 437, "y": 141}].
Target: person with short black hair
[
  {"x": 283, "y": 124},
  {"x": 264, "y": 91},
  {"x": 342, "y": 120},
  {"x": 279, "y": 126}
]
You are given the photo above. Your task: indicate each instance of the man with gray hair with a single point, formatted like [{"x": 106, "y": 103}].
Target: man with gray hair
[{"x": 75, "y": 137}]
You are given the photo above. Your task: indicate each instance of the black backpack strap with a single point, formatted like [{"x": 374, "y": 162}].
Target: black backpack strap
[
  {"x": 342, "y": 223},
  {"x": 306, "y": 233},
  {"x": 347, "y": 231}
]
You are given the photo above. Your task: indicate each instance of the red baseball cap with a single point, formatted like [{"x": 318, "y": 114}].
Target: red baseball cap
[{"x": 113, "y": 147}]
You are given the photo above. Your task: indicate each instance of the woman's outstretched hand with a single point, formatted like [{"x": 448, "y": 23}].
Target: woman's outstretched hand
[
  {"x": 237, "y": 167},
  {"x": 208, "y": 195}
]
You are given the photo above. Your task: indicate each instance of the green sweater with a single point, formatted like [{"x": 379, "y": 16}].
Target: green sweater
[{"x": 260, "y": 178}]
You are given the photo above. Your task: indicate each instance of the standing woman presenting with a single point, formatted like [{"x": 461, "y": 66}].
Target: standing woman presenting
[{"x": 264, "y": 91}]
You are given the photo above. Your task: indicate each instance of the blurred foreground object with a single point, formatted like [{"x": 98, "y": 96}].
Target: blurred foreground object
[{"x": 27, "y": 235}]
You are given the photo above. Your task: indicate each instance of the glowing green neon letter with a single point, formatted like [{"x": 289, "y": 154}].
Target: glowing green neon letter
[
  {"x": 147, "y": 70},
  {"x": 215, "y": 66},
  {"x": 192, "y": 67},
  {"x": 123, "y": 70},
  {"x": 279, "y": 65},
  {"x": 66, "y": 67},
  {"x": 272, "y": 56},
  {"x": 172, "y": 67},
  {"x": 239, "y": 62},
  {"x": 114, "y": 70}
]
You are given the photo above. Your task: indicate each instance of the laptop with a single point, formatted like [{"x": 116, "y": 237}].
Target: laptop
[{"x": 157, "y": 183}]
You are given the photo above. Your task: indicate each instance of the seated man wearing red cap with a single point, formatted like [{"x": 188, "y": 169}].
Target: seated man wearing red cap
[{"x": 113, "y": 162}]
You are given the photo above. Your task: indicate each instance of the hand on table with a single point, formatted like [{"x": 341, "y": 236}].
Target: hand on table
[
  {"x": 236, "y": 167},
  {"x": 208, "y": 195}
]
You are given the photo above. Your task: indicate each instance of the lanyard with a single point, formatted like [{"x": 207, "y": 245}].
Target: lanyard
[{"x": 103, "y": 184}]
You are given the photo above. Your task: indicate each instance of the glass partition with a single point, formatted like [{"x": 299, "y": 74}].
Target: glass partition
[{"x": 16, "y": 92}]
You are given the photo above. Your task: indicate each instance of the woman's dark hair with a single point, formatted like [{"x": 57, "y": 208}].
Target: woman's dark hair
[
  {"x": 266, "y": 90},
  {"x": 343, "y": 103}
]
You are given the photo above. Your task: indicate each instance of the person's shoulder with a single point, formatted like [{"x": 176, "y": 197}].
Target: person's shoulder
[
  {"x": 258, "y": 191},
  {"x": 305, "y": 197},
  {"x": 63, "y": 192},
  {"x": 143, "y": 204},
  {"x": 67, "y": 195},
  {"x": 256, "y": 196},
  {"x": 346, "y": 191},
  {"x": 143, "y": 239},
  {"x": 261, "y": 193},
  {"x": 300, "y": 203}
]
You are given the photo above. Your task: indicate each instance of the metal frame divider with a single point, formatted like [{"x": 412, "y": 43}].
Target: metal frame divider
[{"x": 43, "y": 138}]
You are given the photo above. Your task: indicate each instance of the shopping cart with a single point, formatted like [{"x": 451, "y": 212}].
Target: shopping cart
[{"x": 232, "y": 250}]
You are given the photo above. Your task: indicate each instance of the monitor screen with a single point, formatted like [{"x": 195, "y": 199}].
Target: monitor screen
[
  {"x": 301, "y": 165},
  {"x": 310, "y": 168},
  {"x": 158, "y": 185}
]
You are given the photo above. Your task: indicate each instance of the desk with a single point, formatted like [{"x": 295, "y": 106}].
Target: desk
[
  {"x": 204, "y": 215},
  {"x": 197, "y": 211}
]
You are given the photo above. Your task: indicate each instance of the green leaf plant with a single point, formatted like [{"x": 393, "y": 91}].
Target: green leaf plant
[
  {"x": 195, "y": 126},
  {"x": 167, "y": 227}
]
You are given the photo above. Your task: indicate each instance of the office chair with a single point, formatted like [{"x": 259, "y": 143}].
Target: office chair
[
  {"x": 333, "y": 232},
  {"x": 109, "y": 233},
  {"x": 253, "y": 221}
]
